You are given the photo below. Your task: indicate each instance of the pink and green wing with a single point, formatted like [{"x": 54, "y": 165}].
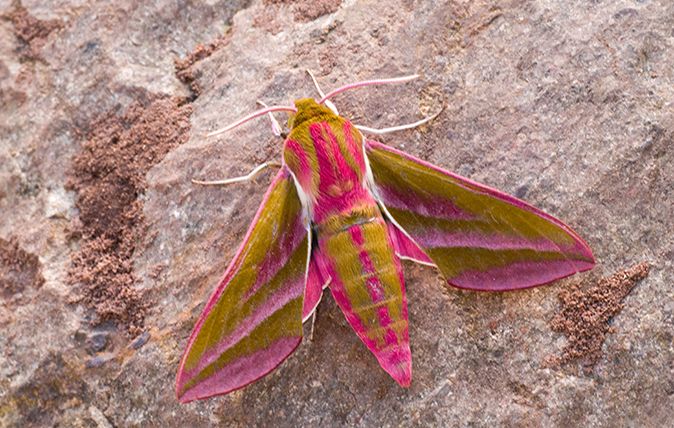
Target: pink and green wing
[
  {"x": 478, "y": 237},
  {"x": 253, "y": 320}
]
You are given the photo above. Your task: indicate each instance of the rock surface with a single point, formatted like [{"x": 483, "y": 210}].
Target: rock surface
[{"x": 568, "y": 105}]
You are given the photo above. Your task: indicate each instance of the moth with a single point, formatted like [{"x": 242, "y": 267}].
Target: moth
[{"x": 340, "y": 213}]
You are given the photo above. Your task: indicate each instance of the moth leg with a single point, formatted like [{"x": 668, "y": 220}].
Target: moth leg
[
  {"x": 328, "y": 103},
  {"x": 313, "y": 323},
  {"x": 240, "y": 179},
  {"x": 275, "y": 126},
  {"x": 382, "y": 131}
]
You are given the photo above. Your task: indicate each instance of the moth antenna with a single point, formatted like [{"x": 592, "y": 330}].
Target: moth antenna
[
  {"x": 275, "y": 127},
  {"x": 382, "y": 131},
  {"x": 350, "y": 86},
  {"x": 252, "y": 116},
  {"x": 328, "y": 103}
]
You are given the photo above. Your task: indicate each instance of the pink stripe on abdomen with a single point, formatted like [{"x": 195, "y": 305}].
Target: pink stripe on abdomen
[
  {"x": 367, "y": 284},
  {"x": 372, "y": 282}
]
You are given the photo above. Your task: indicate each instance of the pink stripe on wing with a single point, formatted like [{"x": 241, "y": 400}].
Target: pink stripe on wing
[
  {"x": 281, "y": 179},
  {"x": 242, "y": 371},
  {"x": 415, "y": 202},
  {"x": 277, "y": 257},
  {"x": 314, "y": 287},
  {"x": 274, "y": 302},
  {"x": 404, "y": 246},
  {"x": 438, "y": 238},
  {"x": 481, "y": 188},
  {"x": 512, "y": 277}
]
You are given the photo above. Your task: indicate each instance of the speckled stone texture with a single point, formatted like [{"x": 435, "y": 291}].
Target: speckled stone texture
[{"x": 568, "y": 105}]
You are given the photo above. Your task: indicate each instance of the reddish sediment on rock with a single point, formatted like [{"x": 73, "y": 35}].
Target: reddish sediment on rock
[
  {"x": 109, "y": 178},
  {"x": 587, "y": 308},
  {"x": 18, "y": 269},
  {"x": 32, "y": 32},
  {"x": 185, "y": 70}
]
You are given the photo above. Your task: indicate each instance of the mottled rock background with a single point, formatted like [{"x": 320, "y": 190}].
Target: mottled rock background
[{"x": 568, "y": 105}]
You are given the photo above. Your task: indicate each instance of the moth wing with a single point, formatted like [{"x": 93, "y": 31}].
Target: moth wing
[
  {"x": 316, "y": 283},
  {"x": 253, "y": 320},
  {"x": 478, "y": 237},
  {"x": 405, "y": 247}
]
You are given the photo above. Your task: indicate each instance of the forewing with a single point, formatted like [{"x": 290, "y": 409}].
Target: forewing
[
  {"x": 253, "y": 320},
  {"x": 478, "y": 237}
]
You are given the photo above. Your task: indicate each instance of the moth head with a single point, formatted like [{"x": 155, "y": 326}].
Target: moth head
[{"x": 308, "y": 110}]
